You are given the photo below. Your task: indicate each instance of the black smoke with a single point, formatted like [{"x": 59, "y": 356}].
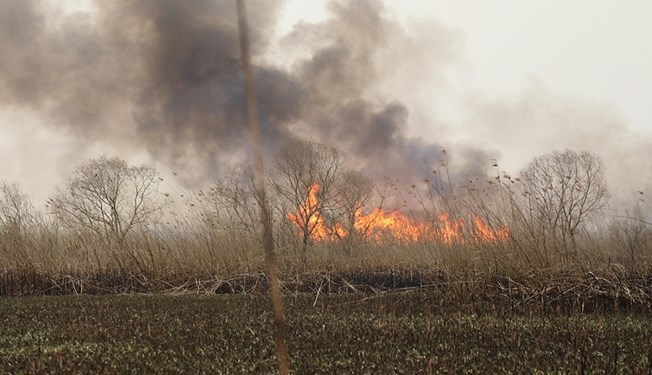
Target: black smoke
[{"x": 175, "y": 66}]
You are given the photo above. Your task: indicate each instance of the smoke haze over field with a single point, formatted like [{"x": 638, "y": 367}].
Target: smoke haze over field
[{"x": 159, "y": 81}]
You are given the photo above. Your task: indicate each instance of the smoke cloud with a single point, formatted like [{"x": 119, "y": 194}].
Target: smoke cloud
[
  {"x": 175, "y": 66},
  {"x": 536, "y": 121},
  {"x": 164, "y": 76}
]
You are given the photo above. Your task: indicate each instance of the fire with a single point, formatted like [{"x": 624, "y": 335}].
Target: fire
[
  {"x": 451, "y": 231},
  {"x": 379, "y": 225},
  {"x": 485, "y": 233},
  {"x": 309, "y": 218}
]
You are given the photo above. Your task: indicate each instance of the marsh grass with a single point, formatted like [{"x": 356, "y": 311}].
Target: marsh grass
[
  {"x": 184, "y": 258},
  {"x": 201, "y": 246}
]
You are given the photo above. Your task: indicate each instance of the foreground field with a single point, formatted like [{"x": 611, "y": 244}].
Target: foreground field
[{"x": 383, "y": 333}]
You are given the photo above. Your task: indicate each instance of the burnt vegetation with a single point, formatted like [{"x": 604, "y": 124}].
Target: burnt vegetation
[{"x": 540, "y": 240}]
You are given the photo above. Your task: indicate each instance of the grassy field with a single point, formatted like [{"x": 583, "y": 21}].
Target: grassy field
[{"x": 340, "y": 333}]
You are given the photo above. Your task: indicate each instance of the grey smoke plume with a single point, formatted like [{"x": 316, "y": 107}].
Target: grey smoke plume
[
  {"x": 64, "y": 71},
  {"x": 536, "y": 121},
  {"x": 343, "y": 106},
  {"x": 174, "y": 67}
]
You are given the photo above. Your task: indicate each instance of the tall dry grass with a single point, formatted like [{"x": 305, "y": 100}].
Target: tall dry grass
[{"x": 205, "y": 240}]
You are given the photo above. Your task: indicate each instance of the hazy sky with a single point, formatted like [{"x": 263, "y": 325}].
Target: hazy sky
[
  {"x": 596, "y": 50},
  {"x": 503, "y": 79}
]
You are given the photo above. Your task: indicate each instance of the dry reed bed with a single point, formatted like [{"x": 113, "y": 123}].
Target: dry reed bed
[{"x": 542, "y": 291}]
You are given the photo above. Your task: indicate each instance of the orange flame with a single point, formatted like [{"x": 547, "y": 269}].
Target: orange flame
[
  {"x": 380, "y": 226},
  {"x": 485, "y": 233},
  {"x": 308, "y": 218},
  {"x": 452, "y": 231}
]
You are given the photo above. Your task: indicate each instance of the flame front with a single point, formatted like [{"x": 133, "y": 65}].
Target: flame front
[
  {"x": 451, "y": 231},
  {"x": 380, "y": 226},
  {"x": 309, "y": 219},
  {"x": 485, "y": 233}
]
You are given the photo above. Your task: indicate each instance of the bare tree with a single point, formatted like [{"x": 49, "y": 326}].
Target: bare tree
[
  {"x": 18, "y": 220},
  {"x": 304, "y": 176},
  {"x": 353, "y": 192},
  {"x": 563, "y": 189},
  {"x": 107, "y": 197},
  {"x": 232, "y": 199},
  {"x": 16, "y": 209}
]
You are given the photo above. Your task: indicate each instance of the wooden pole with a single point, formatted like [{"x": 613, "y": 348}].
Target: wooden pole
[{"x": 280, "y": 336}]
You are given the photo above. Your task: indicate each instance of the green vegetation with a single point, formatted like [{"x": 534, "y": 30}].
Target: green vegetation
[{"x": 391, "y": 333}]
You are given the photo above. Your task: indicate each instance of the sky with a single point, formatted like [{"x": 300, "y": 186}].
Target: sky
[
  {"x": 397, "y": 81},
  {"x": 592, "y": 49}
]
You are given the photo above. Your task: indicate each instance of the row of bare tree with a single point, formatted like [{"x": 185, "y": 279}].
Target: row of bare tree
[{"x": 551, "y": 201}]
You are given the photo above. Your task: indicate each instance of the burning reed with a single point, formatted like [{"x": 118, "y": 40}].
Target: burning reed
[{"x": 334, "y": 233}]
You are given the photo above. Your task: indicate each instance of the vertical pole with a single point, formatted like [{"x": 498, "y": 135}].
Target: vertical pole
[{"x": 280, "y": 336}]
